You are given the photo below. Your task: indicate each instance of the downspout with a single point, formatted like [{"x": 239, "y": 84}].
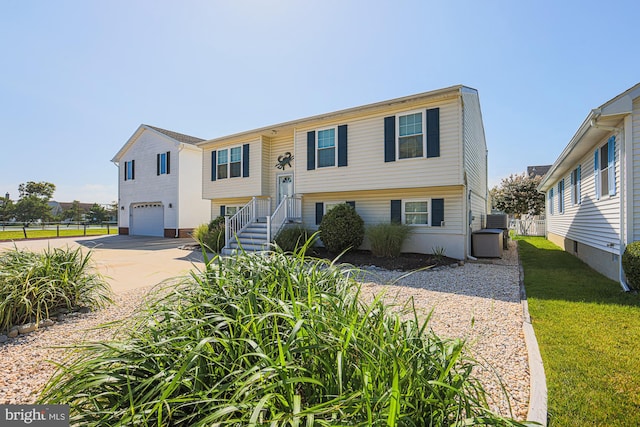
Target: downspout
[
  {"x": 177, "y": 207},
  {"x": 622, "y": 243}
]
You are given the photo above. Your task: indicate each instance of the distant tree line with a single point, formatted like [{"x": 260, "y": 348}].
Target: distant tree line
[{"x": 33, "y": 206}]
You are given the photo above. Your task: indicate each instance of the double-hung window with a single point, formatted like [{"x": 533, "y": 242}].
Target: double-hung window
[
  {"x": 162, "y": 163},
  {"x": 410, "y": 135},
  {"x": 129, "y": 170},
  {"x": 561, "y": 196},
  {"x": 235, "y": 165},
  {"x": 576, "y": 186},
  {"x": 415, "y": 212},
  {"x": 604, "y": 169},
  {"x": 223, "y": 164},
  {"x": 551, "y": 201},
  {"x": 326, "y": 153}
]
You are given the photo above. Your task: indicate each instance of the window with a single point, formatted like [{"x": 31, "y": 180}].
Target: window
[
  {"x": 236, "y": 162},
  {"x": 576, "y": 186},
  {"x": 410, "y": 136},
  {"x": 223, "y": 160},
  {"x": 326, "y": 147},
  {"x": 561, "y": 196},
  {"x": 415, "y": 212},
  {"x": 330, "y": 205},
  {"x": 551, "y": 201},
  {"x": 604, "y": 169},
  {"x": 129, "y": 170},
  {"x": 162, "y": 162},
  {"x": 231, "y": 210}
]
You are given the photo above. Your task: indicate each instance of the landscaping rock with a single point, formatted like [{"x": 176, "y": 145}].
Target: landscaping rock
[
  {"x": 13, "y": 332},
  {"x": 60, "y": 317},
  {"x": 27, "y": 327},
  {"x": 84, "y": 310},
  {"x": 46, "y": 323},
  {"x": 3, "y": 338}
]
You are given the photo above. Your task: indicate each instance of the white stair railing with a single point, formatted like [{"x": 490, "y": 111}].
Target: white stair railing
[
  {"x": 256, "y": 208},
  {"x": 289, "y": 209}
]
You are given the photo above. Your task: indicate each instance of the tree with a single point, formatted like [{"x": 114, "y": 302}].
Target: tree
[
  {"x": 33, "y": 202},
  {"x": 74, "y": 213},
  {"x": 6, "y": 208},
  {"x": 97, "y": 214},
  {"x": 517, "y": 195}
]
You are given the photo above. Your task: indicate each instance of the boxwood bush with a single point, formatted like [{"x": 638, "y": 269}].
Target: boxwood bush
[
  {"x": 290, "y": 239},
  {"x": 631, "y": 264},
  {"x": 341, "y": 229}
]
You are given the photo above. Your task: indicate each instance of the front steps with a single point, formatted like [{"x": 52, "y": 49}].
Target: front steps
[{"x": 252, "y": 239}]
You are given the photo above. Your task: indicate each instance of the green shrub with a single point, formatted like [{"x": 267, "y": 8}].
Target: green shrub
[
  {"x": 289, "y": 239},
  {"x": 631, "y": 264},
  {"x": 35, "y": 285},
  {"x": 341, "y": 229},
  {"x": 386, "y": 239},
  {"x": 211, "y": 235},
  {"x": 271, "y": 340}
]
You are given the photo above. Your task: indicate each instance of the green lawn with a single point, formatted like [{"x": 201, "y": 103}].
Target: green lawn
[
  {"x": 35, "y": 233},
  {"x": 588, "y": 330}
]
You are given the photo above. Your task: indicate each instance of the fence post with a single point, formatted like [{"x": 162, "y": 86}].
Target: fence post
[
  {"x": 58, "y": 230},
  {"x": 108, "y": 232},
  {"x": 85, "y": 229},
  {"x": 24, "y": 230}
]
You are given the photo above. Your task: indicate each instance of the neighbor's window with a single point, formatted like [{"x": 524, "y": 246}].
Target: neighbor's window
[
  {"x": 576, "y": 186},
  {"x": 163, "y": 163},
  {"x": 129, "y": 170},
  {"x": 415, "y": 212},
  {"x": 326, "y": 147},
  {"x": 223, "y": 161},
  {"x": 551, "y": 201},
  {"x": 410, "y": 136},
  {"x": 561, "y": 196}
]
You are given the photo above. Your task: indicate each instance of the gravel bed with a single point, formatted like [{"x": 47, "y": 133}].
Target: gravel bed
[{"x": 479, "y": 302}]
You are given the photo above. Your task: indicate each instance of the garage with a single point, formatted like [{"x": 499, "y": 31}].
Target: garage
[{"x": 147, "y": 219}]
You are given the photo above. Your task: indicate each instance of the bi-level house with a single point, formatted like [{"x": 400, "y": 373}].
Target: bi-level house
[
  {"x": 420, "y": 160},
  {"x": 593, "y": 188},
  {"x": 159, "y": 191}
]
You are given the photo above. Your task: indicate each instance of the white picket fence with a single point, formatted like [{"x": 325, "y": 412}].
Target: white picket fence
[{"x": 528, "y": 227}]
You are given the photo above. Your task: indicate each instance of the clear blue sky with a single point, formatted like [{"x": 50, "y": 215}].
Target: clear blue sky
[{"x": 78, "y": 77}]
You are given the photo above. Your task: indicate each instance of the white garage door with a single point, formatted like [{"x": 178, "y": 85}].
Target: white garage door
[{"x": 147, "y": 219}]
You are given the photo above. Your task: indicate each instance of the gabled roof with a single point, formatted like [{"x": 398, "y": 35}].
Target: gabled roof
[
  {"x": 178, "y": 138},
  {"x": 593, "y": 130}
]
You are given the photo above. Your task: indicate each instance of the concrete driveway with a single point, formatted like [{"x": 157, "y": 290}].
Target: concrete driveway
[{"x": 127, "y": 262}]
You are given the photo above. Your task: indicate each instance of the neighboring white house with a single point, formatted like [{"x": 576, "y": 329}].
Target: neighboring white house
[
  {"x": 593, "y": 188},
  {"x": 420, "y": 160},
  {"x": 159, "y": 190}
]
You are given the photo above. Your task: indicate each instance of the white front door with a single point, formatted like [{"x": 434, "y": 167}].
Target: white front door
[{"x": 285, "y": 186}]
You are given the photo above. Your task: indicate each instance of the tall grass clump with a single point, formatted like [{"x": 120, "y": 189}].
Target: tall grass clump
[
  {"x": 211, "y": 235},
  {"x": 386, "y": 239},
  {"x": 271, "y": 340},
  {"x": 33, "y": 285}
]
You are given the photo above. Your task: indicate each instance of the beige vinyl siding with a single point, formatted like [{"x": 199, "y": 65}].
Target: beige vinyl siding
[
  {"x": 635, "y": 159},
  {"x": 593, "y": 222},
  {"x": 238, "y": 186},
  {"x": 475, "y": 156},
  {"x": 275, "y": 147},
  {"x": 367, "y": 169},
  {"x": 375, "y": 207}
]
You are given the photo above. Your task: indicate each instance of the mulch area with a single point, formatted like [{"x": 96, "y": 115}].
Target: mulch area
[{"x": 403, "y": 262}]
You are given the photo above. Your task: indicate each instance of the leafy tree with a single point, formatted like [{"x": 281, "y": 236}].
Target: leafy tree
[
  {"x": 74, "y": 213},
  {"x": 6, "y": 209},
  {"x": 97, "y": 214},
  {"x": 517, "y": 195},
  {"x": 32, "y": 205}
]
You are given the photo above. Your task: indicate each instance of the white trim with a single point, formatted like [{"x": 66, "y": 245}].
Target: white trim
[
  {"x": 335, "y": 147},
  {"x": 428, "y": 212},
  {"x": 423, "y": 116}
]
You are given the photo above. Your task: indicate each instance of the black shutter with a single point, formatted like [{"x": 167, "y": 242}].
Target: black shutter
[
  {"x": 396, "y": 211},
  {"x": 157, "y": 164},
  {"x": 342, "y": 145},
  {"x": 125, "y": 171},
  {"x": 390, "y": 139},
  {"x": 133, "y": 169},
  {"x": 223, "y": 208},
  {"x": 352, "y": 204},
  {"x": 311, "y": 150},
  {"x": 245, "y": 161},
  {"x": 168, "y": 162},
  {"x": 437, "y": 212},
  {"x": 433, "y": 132},
  {"x": 213, "y": 165},
  {"x": 319, "y": 212}
]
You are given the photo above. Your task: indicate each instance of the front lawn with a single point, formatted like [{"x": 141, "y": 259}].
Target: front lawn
[
  {"x": 36, "y": 233},
  {"x": 588, "y": 330}
]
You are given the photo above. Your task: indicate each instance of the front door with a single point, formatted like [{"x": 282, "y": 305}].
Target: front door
[{"x": 285, "y": 186}]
